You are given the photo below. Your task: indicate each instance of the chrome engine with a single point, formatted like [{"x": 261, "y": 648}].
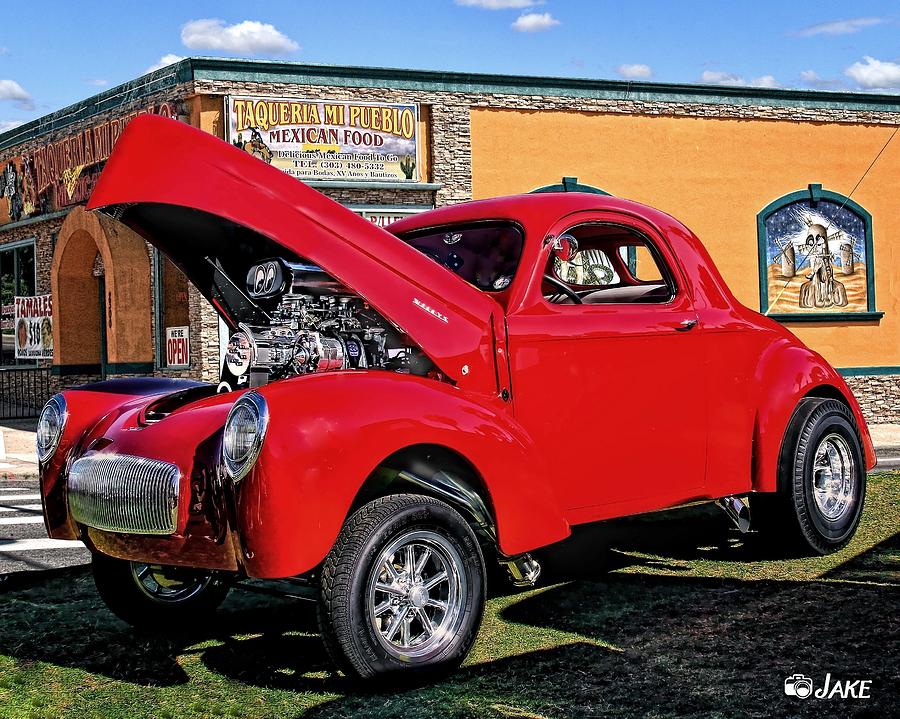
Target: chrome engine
[{"x": 314, "y": 324}]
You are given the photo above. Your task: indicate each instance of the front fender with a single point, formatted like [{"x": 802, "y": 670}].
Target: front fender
[
  {"x": 89, "y": 409},
  {"x": 328, "y": 432},
  {"x": 787, "y": 372}
]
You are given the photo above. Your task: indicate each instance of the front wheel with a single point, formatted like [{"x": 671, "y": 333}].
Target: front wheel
[
  {"x": 403, "y": 589},
  {"x": 821, "y": 481},
  {"x": 157, "y": 597}
]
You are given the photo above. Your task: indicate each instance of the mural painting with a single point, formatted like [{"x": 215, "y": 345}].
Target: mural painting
[{"x": 816, "y": 258}]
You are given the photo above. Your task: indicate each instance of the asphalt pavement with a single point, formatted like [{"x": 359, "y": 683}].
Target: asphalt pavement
[{"x": 24, "y": 544}]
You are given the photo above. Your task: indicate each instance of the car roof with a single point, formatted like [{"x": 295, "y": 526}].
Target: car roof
[
  {"x": 530, "y": 210},
  {"x": 538, "y": 212}
]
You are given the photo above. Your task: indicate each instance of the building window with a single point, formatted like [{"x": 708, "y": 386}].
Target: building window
[
  {"x": 815, "y": 258},
  {"x": 17, "y": 279},
  {"x": 171, "y": 300}
]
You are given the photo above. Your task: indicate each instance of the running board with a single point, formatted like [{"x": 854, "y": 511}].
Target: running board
[{"x": 737, "y": 510}]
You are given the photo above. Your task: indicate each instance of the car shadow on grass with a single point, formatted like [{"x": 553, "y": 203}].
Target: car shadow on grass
[
  {"x": 622, "y": 638},
  {"x": 679, "y": 646}
]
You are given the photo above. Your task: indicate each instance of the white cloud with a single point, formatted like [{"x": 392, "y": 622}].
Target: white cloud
[
  {"x": 764, "y": 81},
  {"x": 169, "y": 59},
  {"x": 717, "y": 77},
  {"x": 875, "y": 74},
  {"x": 97, "y": 82},
  {"x": 499, "y": 4},
  {"x": 13, "y": 92},
  {"x": 9, "y": 124},
  {"x": 635, "y": 71},
  {"x": 534, "y": 22},
  {"x": 812, "y": 78},
  {"x": 840, "y": 27},
  {"x": 249, "y": 37}
]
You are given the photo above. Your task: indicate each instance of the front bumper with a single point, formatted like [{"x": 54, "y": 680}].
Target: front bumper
[{"x": 147, "y": 510}]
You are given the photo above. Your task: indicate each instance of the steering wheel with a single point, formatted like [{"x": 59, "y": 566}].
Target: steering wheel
[{"x": 563, "y": 288}]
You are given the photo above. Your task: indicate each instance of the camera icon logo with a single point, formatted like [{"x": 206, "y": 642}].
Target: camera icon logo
[{"x": 798, "y": 685}]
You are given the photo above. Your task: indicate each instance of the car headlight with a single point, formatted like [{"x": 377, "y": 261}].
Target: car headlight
[
  {"x": 245, "y": 430},
  {"x": 50, "y": 427}
]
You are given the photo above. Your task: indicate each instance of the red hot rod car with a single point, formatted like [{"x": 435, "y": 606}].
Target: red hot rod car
[{"x": 398, "y": 408}]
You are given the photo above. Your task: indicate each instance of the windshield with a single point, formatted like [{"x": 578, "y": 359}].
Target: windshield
[{"x": 485, "y": 254}]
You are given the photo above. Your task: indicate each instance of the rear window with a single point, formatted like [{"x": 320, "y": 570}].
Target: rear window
[{"x": 484, "y": 254}]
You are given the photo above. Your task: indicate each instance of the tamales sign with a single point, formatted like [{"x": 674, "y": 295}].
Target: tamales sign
[{"x": 328, "y": 139}]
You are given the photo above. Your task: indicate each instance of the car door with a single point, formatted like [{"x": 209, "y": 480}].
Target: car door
[{"x": 613, "y": 391}]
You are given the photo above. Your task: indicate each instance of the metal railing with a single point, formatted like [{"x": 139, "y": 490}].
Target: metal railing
[{"x": 23, "y": 391}]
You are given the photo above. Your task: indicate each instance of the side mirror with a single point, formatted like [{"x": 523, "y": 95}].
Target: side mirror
[{"x": 565, "y": 247}]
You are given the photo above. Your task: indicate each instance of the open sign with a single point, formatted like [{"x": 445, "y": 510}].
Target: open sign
[{"x": 178, "y": 347}]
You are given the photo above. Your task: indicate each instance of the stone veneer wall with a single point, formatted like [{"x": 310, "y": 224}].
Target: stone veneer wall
[
  {"x": 44, "y": 235},
  {"x": 878, "y": 397}
]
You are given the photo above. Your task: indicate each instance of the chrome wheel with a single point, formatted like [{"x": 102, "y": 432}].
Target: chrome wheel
[
  {"x": 416, "y": 592},
  {"x": 834, "y": 477},
  {"x": 169, "y": 584}
]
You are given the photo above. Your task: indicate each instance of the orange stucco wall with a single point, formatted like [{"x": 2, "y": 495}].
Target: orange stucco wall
[{"x": 714, "y": 175}]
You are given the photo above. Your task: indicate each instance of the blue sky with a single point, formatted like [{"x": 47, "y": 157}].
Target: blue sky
[{"x": 56, "y": 53}]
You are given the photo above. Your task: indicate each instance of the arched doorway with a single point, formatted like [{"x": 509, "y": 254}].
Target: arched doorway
[{"x": 101, "y": 300}]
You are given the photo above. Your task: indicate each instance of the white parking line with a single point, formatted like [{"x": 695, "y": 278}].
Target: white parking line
[
  {"x": 30, "y": 545},
  {"x": 19, "y": 498},
  {"x": 21, "y": 520},
  {"x": 20, "y": 507},
  {"x": 13, "y": 489}
]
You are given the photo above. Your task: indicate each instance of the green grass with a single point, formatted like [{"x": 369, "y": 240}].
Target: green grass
[{"x": 650, "y": 616}]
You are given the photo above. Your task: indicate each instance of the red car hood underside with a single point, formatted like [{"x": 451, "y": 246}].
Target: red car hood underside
[{"x": 165, "y": 162}]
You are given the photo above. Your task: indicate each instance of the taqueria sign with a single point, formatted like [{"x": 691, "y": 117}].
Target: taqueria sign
[
  {"x": 328, "y": 139},
  {"x": 63, "y": 172}
]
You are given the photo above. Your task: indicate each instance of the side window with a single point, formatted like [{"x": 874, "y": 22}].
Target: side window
[
  {"x": 602, "y": 263},
  {"x": 641, "y": 263}
]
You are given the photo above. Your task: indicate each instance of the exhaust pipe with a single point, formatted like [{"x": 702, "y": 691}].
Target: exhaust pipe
[
  {"x": 737, "y": 510},
  {"x": 524, "y": 570}
]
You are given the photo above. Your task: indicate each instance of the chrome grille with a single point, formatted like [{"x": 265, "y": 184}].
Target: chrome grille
[{"x": 123, "y": 493}]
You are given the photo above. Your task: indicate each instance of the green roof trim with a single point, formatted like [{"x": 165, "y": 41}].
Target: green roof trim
[
  {"x": 224, "y": 69},
  {"x": 879, "y": 371},
  {"x": 206, "y": 68}
]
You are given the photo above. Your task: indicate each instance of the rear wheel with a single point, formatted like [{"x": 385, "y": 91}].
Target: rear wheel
[
  {"x": 402, "y": 589},
  {"x": 157, "y": 597},
  {"x": 821, "y": 481}
]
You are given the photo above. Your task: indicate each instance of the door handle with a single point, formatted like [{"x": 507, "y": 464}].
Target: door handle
[{"x": 686, "y": 325}]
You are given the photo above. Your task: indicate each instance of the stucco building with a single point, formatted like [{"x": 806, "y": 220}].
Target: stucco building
[{"x": 763, "y": 176}]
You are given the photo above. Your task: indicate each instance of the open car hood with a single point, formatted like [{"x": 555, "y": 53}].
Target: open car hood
[{"x": 195, "y": 197}]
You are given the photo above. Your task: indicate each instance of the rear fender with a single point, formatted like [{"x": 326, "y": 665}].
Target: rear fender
[
  {"x": 329, "y": 432},
  {"x": 786, "y": 374}
]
